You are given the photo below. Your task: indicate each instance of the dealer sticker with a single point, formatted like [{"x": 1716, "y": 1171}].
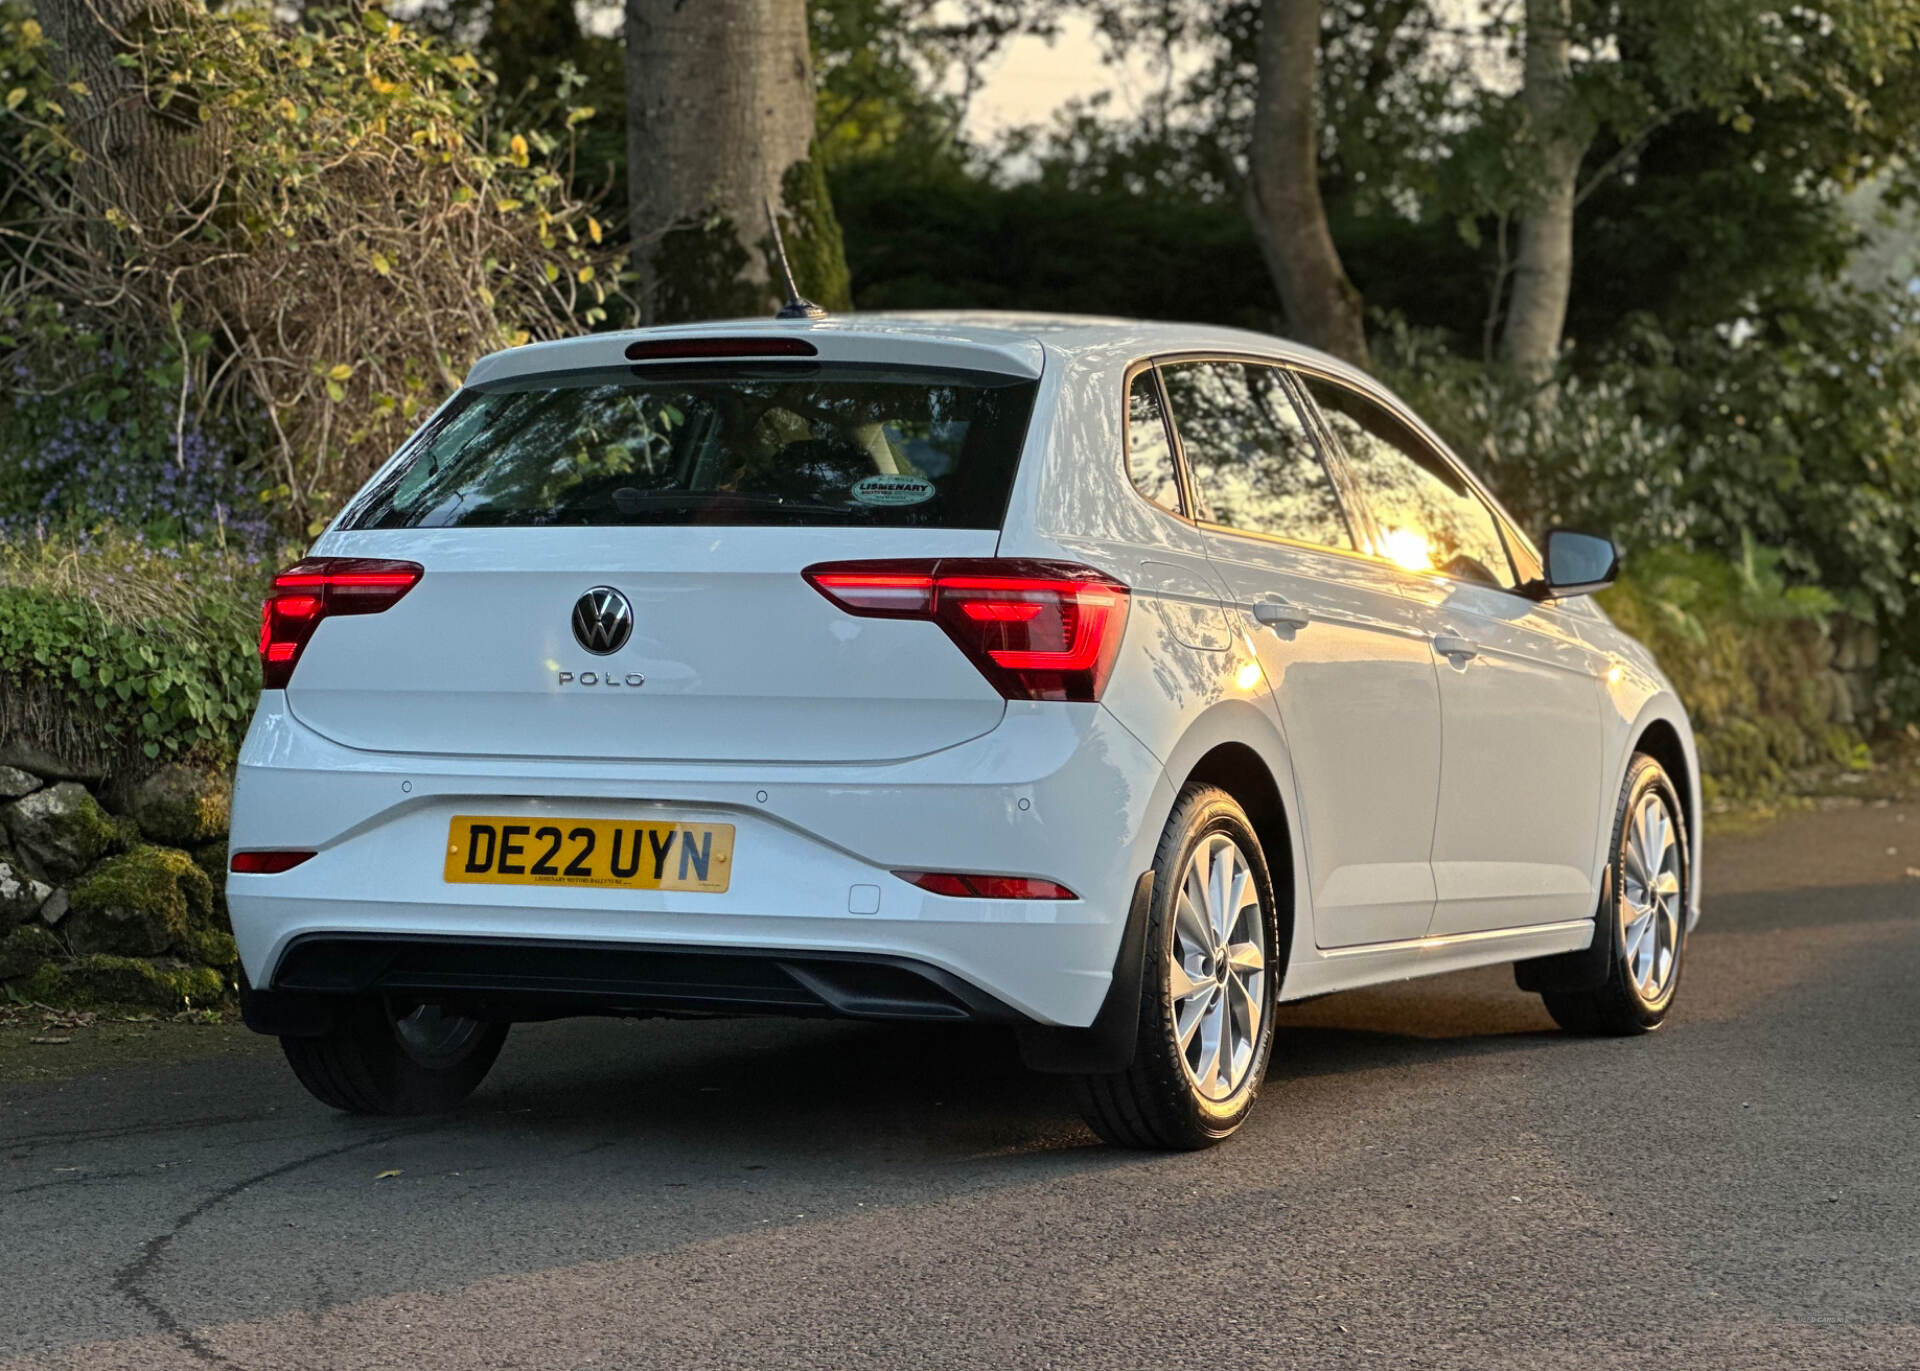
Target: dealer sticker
[{"x": 893, "y": 490}]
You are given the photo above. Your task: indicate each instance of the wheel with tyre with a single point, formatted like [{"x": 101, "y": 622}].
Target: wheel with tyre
[
  {"x": 1207, "y": 990},
  {"x": 383, "y": 1057},
  {"x": 1643, "y": 914}
]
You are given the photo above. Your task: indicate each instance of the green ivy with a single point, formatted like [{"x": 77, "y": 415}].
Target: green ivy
[{"x": 115, "y": 652}]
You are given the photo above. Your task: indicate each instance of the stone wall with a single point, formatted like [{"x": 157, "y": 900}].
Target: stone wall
[
  {"x": 120, "y": 906},
  {"x": 1853, "y": 671}
]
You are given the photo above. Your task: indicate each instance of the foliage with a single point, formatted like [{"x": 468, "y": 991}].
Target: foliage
[
  {"x": 1749, "y": 655},
  {"x": 369, "y": 232},
  {"x": 1597, "y": 458},
  {"x": 933, "y": 235},
  {"x": 117, "y": 650},
  {"x": 895, "y": 76},
  {"x": 111, "y": 441}
]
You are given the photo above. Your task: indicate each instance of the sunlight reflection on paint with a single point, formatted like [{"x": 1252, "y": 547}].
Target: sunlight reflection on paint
[
  {"x": 1248, "y": 676},
  {"x": 1409, "y": 548}
]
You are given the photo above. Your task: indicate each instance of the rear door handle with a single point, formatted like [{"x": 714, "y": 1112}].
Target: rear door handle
[
  {"x": 1455, "y": 648},
  {"x": 1277, "y": 613}
]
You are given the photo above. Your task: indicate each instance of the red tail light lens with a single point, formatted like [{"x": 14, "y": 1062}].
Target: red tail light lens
[
  {"x": 987, "y": 887},
  {"x": 1037, "y": 630},
  {"x": 680, "y": 349},
  {"x": 322, "y": 588},
  {"x": 266, "y": 863}
]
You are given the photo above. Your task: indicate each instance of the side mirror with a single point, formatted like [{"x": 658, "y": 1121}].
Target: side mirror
[{"x": 1577, "y": 564}]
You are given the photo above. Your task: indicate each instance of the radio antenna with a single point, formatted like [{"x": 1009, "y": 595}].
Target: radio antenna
[{"x": 797, "y": 306}]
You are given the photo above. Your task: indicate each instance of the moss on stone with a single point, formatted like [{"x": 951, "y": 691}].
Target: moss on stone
[
  {"x": 212, "y": 859},
  {"x": 61, "y": 830},
  {"x": 104, "y": 980},
  {"x": 141, "y": 903},
  {"x": 181, "y": 805},
  {"x": 211, "y": 947},
  {"x": 20, "y": 895},
  {"x": 26, "y": 949},
  {"x": 126, "y": 833}
]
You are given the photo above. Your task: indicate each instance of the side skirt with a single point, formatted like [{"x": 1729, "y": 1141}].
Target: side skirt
[{"x": 1348, "y": 968}]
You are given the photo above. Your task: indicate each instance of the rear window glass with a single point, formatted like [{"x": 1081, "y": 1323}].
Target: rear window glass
[{"x": 795, "y": 443}]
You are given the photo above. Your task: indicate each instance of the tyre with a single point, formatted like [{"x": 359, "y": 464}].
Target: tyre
[
  {"x": 387, "y": 1058},
  {"x": 1643, "y": 914},
  {"x": 1208, "y": 986}
]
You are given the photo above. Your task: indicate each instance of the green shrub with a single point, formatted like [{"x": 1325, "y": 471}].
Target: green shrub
[
  {"x": 366, "y": 232},
  {"x": 1749, "y": 656},
  {"x": 115, "y": 650}
]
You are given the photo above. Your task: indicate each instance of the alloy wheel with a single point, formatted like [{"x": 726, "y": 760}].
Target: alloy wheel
[
  {"x": 1650, "y": 907},
  {"x": 1218, "y": 971},
  {"x": 433, "y": 1037}
]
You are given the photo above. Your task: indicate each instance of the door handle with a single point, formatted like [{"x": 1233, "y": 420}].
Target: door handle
[
  {"x": 1455, "y": 648},
  {"x": 1278, "y": 613}
]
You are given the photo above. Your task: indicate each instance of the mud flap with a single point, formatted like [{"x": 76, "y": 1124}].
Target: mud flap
[
  {"x": 1108, "y": 1043},
  {"x": 1584, "y": 969}
]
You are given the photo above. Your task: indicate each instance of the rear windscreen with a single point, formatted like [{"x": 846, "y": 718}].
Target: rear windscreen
[{"x": 793, "y": 443}]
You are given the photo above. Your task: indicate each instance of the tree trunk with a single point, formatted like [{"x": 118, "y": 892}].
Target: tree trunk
[
  {"x": 148, "y": 163},
  {"x": 1543, "y": 263},
  {"x": 719, "y": 120},
  {"x": 1283, "y": 186}
]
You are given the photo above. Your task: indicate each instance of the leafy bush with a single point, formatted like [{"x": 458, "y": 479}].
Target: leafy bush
[
  {"x": 354, "y": 234},
  {"x": 1748, "y": 654},
  {"x": 109, "y": 442},
  {"x": 115, "y": 651},
  {"x": 1795, "y": 433},
  {"x": 1598, "y": 457}
]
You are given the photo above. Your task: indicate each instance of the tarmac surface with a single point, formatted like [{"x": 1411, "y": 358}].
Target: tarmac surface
[{"x": 1434, "y": 1177}]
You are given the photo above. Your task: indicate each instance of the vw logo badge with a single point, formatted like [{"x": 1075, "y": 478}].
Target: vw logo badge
[{"x": 602, "y": 620}]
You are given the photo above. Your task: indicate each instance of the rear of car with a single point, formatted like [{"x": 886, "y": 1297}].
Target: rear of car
[{"x": 685, "y": 675}]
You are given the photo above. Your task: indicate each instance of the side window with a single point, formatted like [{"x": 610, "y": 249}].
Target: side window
[
  {"x": 1253, "y": 462},
  {"x": 1429, "y": 518},
  {"x": 1149, "y": 449}
]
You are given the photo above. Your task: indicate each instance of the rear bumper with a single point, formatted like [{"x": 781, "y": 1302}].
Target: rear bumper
[
  {"x": 1058, "y": 791},
  {"x": 517, "y": 980}
]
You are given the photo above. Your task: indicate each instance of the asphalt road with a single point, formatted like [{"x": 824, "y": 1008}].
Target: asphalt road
[{"x": 1434, "y": 1178}]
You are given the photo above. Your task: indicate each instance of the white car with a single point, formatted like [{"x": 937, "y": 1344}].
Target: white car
[{"x": 1114, "y": 681}]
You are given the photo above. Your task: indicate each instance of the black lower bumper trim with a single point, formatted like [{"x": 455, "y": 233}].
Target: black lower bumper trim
[{"x": 517, "y": 979}]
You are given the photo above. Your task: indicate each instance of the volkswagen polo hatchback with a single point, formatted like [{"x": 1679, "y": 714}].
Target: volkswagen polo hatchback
[{"x": 1111, "y": 681}]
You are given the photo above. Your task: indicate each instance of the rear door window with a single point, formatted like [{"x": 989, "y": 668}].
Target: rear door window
[
  {"x": 795, "y": 443},
  {"x": 1254, "y": 464},
  {"x": 1430, "y": 518}
]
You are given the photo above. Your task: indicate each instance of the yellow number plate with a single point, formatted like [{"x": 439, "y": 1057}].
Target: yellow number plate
[{"x": 516, "y": 850}]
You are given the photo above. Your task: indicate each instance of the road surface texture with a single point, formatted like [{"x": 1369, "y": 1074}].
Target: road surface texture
[{"x": 1434, "y": 1178}]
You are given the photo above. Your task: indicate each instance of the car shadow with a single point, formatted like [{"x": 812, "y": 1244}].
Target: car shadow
[{"x": 751, "y": 1088}]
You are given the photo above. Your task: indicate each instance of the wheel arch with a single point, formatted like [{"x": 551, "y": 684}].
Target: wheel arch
[
  {"x": 1662, "y": 732},
  {"x": 1236, "y": 747},
  {"x": 1660, "y": 740}
]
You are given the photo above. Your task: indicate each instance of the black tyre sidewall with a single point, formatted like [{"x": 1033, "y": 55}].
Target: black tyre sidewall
[
  {"x": 362, "y": 1066},
  {"x": 1643, "y": 776},
  {"x": 1204, "y": 811},
  {"x": 1614, "y": 1007}
]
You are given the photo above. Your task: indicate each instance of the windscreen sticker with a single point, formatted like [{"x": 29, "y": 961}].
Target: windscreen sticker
[{"x": 893, "y": 490}]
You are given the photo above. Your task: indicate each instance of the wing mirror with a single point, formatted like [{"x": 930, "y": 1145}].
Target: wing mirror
[{"x": 1577, "y": 564}]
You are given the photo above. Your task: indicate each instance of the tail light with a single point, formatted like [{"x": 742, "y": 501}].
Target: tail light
[
  {"x": 270, "y": 863},
  {"x": 987, "y": 887},
  {"x": 322, "y": 588},
  {"x": 1037, "y": 630}
]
